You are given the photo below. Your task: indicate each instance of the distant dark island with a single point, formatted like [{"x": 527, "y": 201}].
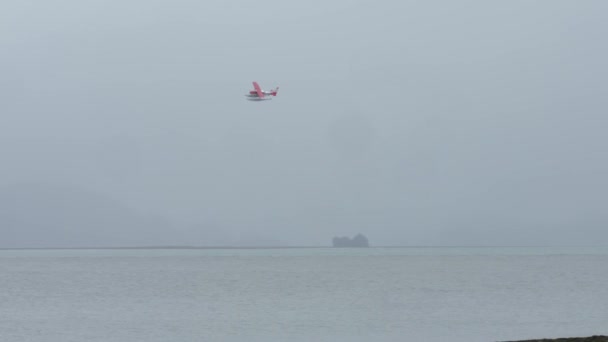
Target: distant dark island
[{"x": 358, "y": 241}]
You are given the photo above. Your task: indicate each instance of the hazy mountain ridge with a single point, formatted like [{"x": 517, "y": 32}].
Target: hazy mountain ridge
[
  {"x": 43, "y": 215},
  {"x": 47, "y": 215}
]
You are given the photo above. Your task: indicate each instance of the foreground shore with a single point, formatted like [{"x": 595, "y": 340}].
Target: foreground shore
[{"x": 596, "y": 338}]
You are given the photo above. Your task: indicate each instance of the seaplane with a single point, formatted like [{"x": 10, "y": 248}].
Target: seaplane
[{"x": 257, "y": 94}]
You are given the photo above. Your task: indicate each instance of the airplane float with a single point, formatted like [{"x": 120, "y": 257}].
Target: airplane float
[{"x": 257, "y": 94}]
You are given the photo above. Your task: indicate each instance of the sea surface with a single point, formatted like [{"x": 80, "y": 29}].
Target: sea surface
[{"x": 303, "y": 294}]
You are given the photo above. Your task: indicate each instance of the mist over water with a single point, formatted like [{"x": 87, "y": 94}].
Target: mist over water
[{"x": 466, "y": 123}]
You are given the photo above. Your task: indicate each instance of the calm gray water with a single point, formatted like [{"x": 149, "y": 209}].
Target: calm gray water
[{"x": 376, "y": 294}]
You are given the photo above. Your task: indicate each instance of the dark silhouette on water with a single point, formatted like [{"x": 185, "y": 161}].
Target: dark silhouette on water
[{"x": 358, "y": 241}]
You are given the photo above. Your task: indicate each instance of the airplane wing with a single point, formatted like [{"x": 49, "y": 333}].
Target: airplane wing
[{"x": 258, "y": 90}]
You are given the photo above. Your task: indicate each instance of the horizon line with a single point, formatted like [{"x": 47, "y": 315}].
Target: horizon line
[{"x": 290, "y": 247}]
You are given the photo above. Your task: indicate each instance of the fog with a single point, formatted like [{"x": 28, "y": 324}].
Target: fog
[{"x": 413, "y": 123}]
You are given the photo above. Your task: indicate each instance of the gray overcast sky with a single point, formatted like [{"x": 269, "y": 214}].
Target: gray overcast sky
[{"x": 412, "y": 122}]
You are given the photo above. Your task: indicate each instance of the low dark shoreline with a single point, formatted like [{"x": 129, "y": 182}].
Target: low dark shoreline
[
  {"x": 272, "y": 247},
  {"x": 595, "y": 338},
  {"x": 168, "y": 247}
]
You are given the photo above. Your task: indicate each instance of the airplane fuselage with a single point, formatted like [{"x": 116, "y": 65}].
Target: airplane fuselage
[
  {"x": 260, "y": 95},
  {"x": 253, "y": 96}
]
